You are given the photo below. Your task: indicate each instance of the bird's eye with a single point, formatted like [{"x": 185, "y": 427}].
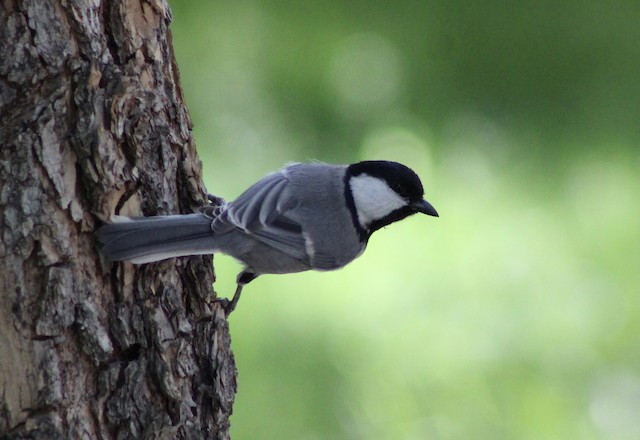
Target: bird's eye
[{"x": 398, "y": 188}]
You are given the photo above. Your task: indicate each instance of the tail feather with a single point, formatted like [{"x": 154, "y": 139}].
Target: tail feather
[{"x": 146, "y": 239}]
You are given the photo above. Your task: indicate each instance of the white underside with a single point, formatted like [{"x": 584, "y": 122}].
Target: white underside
[{"x": 166, "y": 255}]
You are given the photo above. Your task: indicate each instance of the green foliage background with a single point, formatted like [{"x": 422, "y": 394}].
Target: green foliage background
[{"x": 516, "y": 314}]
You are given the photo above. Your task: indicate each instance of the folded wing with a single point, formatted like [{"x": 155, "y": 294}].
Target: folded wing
[{"x": 265, "y": 211}]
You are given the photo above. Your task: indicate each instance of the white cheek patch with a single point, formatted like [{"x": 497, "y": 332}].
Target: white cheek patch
[{"x": 373, "y": 198}]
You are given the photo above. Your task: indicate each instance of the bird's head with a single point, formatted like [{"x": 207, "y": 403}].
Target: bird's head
[{"x": 384, "y": 192}]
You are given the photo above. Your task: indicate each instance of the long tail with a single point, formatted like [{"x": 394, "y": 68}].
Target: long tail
[{"x": 146, "y": 239}]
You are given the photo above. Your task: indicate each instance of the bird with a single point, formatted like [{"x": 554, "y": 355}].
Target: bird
[{"x": 306, "y": 216}]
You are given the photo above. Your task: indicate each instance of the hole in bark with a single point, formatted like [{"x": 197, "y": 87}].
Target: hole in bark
[{"x": 132, "y": 353}]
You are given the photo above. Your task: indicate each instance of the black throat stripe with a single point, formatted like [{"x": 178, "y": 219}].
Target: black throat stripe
[{"x": 351, "y": 205}]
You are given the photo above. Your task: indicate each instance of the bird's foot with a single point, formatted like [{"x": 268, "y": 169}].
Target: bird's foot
[
  {"x": 225, "y": 303},
  {"x": 215, "y": 200},
  {"x": 229, "y": 305},
  {"x": 215, "y": 206}
]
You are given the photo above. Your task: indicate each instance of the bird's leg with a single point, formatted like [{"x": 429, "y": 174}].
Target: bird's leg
[
  {"x": 243, "y": 278},
  {"x": 230, "y": 306}
]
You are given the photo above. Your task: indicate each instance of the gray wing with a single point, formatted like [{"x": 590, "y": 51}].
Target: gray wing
[{"x": 265, "y": 211}]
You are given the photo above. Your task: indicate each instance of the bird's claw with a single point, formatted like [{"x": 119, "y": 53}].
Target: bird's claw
[
  {"x": 215, "y": 200},
  {"x": 226, "y": 305}
]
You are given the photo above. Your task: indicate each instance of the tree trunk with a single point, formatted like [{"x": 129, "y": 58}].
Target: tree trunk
[{"x": 92, "y": 123}]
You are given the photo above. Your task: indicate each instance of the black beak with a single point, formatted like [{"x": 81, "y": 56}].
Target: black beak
[{"x": 425, "y": 207}]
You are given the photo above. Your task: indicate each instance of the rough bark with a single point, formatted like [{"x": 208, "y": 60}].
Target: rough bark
[{"x": 92, "y": 122}]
